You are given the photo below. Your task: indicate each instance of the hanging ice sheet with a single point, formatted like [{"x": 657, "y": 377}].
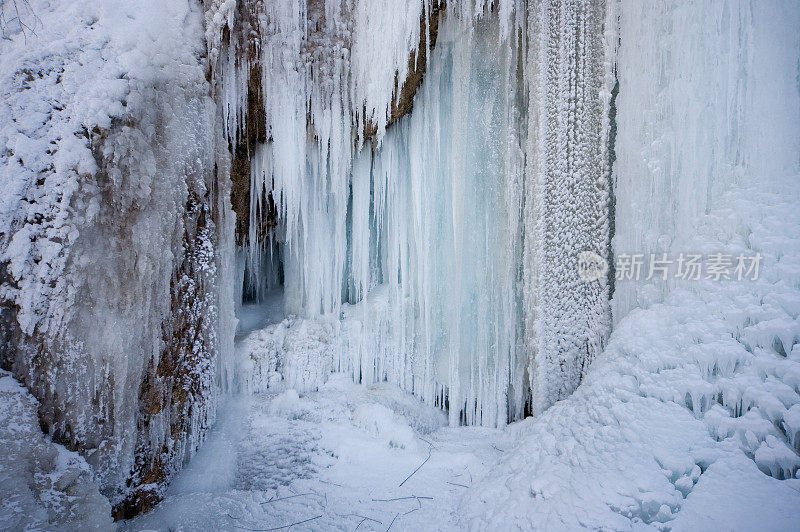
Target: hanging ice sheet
[
  {"x": 442, "y": 244},
  {"x": 436, "y": 219}
]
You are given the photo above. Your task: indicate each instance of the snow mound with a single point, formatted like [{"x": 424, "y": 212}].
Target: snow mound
[
  {"x": 287, "y": 405},
  {"x": 385, "y": 424},
  {"x": 422, "y": 417},
  {"x": 302, "y": 355},
  {"x": 299, "y": 352}
]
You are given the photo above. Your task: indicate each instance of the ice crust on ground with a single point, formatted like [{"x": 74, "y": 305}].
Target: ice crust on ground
[{"x": 312, "y": 456}]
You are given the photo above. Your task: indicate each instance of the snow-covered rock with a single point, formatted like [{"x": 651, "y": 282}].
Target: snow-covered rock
[
  {"x": 110, "y": 224},
  {"x": 383, "y": 423}
]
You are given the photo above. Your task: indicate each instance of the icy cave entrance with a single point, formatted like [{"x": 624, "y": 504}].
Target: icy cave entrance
[{"x": 259, "y": 289}]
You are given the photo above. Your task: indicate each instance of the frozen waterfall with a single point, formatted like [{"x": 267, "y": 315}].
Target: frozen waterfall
[
  {"x": 432, "y": 242},
  {"x": 255, "y": 250}
]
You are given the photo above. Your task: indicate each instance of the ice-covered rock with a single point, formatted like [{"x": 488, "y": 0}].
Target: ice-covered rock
[
  {"x": 110, "y": 235},
  {"x": 42, "y": 484}
]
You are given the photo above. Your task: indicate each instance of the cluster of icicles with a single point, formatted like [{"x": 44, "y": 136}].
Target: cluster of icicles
[{"x": 429, "y": 232}]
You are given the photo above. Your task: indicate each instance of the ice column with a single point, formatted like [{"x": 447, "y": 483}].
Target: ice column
[{"x": 566, "y": 192}]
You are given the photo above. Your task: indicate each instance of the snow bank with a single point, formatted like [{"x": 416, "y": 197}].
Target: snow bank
[
  {"x": 297, "y": 353},
  {"x": 383, "y": 423},
  {"x": 286, "y": 404}
]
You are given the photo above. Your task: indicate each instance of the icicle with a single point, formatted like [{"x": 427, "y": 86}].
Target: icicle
[{"x": 415, "y": 233}]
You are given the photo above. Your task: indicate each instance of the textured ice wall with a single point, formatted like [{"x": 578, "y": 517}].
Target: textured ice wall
[
  {"x": 109, "y": 243},
  {"x": 569, "y": 72},
  {"x": 713, "y": 98},
  {"x": 462, "y": 225}
]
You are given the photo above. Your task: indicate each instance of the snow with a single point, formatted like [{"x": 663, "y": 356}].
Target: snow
[
  {"x": 757, "y": 503},
  {"x": 626, "y": 450},
  {"x": 379, "y": 421},
  {"x": 42, "y": 484},
  {"x": 331, "y": 453},
  {"x": 676, "y": 425}
]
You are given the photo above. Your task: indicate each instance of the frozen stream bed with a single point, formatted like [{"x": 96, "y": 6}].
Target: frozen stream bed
[{"x": 345, "y": 457}]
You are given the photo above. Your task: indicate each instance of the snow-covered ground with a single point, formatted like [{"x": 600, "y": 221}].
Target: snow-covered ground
[{"x": 343, "y": 457}]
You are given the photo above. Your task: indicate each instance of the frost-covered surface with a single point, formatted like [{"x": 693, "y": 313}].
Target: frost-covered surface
[
  {"x": 707, "y": 94},
  {"x": 42, "y": 485},
  {"x": 439, "y": 254},
  {"x": 569, "y": 76},
  {"x": 688, "y": 417},
  {"x": 687, "y": 421},
  {"x": 299, "y": 352},
  {"x": 109, "y": 249},
  {"x": 678, "y": 425}
]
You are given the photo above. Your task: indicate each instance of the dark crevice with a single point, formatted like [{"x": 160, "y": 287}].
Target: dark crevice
[{"x": 612, "y": 199}]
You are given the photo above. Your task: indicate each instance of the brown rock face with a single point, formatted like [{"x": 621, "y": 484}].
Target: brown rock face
[
  {"x": 403, "y": 102},
  {"x": 255, "y": 132},
  {"x": 179, "y": 390}
]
